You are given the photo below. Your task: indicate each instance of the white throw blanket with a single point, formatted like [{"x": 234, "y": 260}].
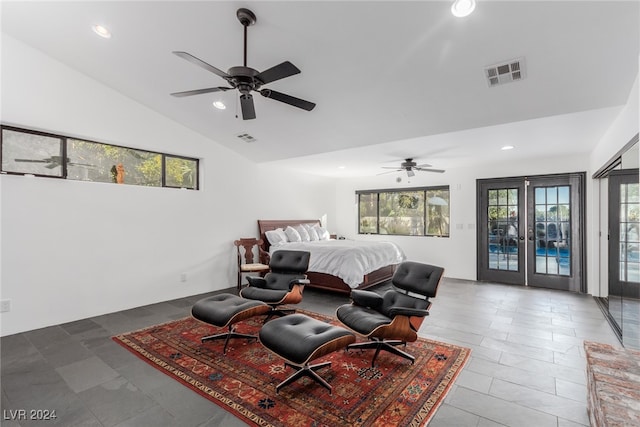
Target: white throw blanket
[{"x": 349, "y": 260}]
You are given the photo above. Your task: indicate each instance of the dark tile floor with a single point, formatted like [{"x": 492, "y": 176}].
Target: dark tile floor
[{"x": 526, "y": 369}]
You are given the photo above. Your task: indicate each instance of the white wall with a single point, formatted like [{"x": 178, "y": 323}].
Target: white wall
[{"x": 72, "y": 250}]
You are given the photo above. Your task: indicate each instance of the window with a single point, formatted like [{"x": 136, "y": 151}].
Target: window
[
  {"x": 180, "y": 172},
  {"x": 409, "y": 212},
  {"x": 38, "y": 153},
  {"x": 29, "y": 153}
]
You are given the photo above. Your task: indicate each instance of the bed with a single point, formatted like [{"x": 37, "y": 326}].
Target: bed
[{"x": 376, "y": 260}]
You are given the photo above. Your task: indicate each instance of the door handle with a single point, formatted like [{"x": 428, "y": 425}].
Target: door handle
[{"x": 530, "y": 234}]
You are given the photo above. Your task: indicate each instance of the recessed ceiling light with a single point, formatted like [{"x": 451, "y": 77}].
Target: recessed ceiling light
[
  {"x": 507, "y": 147},
  {"x": 102, "y": 31},
  {"x": 462, "y": 8},
  {"x": 342, "y": 167},
  {"x": 219, "y": 105}
]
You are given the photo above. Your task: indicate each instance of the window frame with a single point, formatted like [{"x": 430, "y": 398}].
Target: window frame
[
  {"x": 424, "y": 190},
  {"x": 64, "y": 139}
]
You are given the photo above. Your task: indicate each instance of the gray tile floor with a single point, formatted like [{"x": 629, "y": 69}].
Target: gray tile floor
[{"x": 527, "y": 367}]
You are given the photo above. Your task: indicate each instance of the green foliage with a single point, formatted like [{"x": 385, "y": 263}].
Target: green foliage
[{"x": 406, "y": 212}]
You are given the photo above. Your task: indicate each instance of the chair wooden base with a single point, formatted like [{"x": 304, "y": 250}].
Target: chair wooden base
[
  {"x": 305, "y": 370},
  {"x": 226, "y": 336},
  {"x": 387, "y": 345}
]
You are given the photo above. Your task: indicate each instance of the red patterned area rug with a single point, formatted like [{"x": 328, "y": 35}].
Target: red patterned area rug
[{"x": 394, "y": 393}]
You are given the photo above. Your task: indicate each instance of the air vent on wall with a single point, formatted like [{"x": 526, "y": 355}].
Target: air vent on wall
[
  {"x": 246, "y": 137},
  {"x": 505, "y": 72}
]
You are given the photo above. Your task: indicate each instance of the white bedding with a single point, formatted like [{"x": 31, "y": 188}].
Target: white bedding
[{"x": 349, "y": 260}]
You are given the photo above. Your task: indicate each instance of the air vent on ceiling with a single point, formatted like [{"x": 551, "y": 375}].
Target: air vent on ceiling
[
  {"x": 505, "y": 72},
  {"x": 246, "y": 137}
]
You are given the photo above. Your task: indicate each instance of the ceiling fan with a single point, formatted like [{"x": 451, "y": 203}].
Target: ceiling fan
[
  {"x": 246, "y": 79},
  {"x": 54, "y": 162},
  {"x": 410, "y": 166}
]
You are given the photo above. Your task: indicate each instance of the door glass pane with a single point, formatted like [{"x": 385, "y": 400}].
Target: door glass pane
[
  {"x": 502, "y": 213},
  {"x": 629, "y": 233},
  {"x": 553, "y": 234}
]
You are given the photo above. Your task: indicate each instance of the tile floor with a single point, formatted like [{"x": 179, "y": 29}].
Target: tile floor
[{"x": 527, "y": 367}]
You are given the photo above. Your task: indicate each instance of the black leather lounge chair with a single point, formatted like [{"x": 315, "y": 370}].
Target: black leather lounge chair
[
  {"x": 393, "y": 318},
  {"x": 284, "y": 284}
]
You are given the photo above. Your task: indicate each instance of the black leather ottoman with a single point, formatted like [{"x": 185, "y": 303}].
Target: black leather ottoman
[
  {"x": 299, "y": 339},
  {"x": 226, "y": 310}
]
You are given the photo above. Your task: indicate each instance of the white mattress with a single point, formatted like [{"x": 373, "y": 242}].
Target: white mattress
[{"x": 349, "y": 260}]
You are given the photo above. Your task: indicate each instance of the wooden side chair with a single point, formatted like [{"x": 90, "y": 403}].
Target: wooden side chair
[{"x": 247, "y": 248}]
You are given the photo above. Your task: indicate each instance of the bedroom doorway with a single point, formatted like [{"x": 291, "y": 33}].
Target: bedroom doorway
[{"x": 530, "y": 231}]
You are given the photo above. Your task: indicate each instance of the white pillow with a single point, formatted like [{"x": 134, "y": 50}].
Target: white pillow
[
  {"x": 292, "y": 234},
  {"x": 313, "y": 235},
  {"x": 302, "y": 231},
  {"x": 276, "y": 237},
  {"x": 323, "y": 234}
]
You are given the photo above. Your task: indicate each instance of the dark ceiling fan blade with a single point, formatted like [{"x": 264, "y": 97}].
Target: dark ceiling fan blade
[
  {"x": 278, "y": 72},
  {"x": 424, "y": 165},
  {"x": 201, "y": 63},
  {"x": 430, "y": 170},
  {"x": 248, "y": 109},
  {"x": 200, "y": 91},
  {"x": 384, "y": 173},
  {"x": 288, "y": 99},
  {"x": 391, "y": 167}
]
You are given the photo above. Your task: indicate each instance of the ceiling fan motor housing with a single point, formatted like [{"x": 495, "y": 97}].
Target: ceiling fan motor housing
[
  {"x": 408, "y": 164},
  {"x": 244, "y": 78}
]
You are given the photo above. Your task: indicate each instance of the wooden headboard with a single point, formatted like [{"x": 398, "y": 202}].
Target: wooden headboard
[{"x": 265, "y": 225}]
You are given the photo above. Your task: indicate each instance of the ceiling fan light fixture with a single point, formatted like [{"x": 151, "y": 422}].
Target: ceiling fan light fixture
[
  {"x": 102, "y": 31},
  {"x": 219, "y": 105},
  {"x": 462, "y": 8}
]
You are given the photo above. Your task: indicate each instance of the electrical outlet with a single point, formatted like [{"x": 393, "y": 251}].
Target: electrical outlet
[
  {"x": 183, "y": 277},
  {"x": 5, "y": 305}
]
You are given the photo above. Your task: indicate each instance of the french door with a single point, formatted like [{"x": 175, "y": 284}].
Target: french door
[
  {"x": 624, "y": 253},
  {"x": 530, "y": 231}
]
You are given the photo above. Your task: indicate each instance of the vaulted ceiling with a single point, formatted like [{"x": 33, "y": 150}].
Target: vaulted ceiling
[{"x": 391, "y": 79}]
